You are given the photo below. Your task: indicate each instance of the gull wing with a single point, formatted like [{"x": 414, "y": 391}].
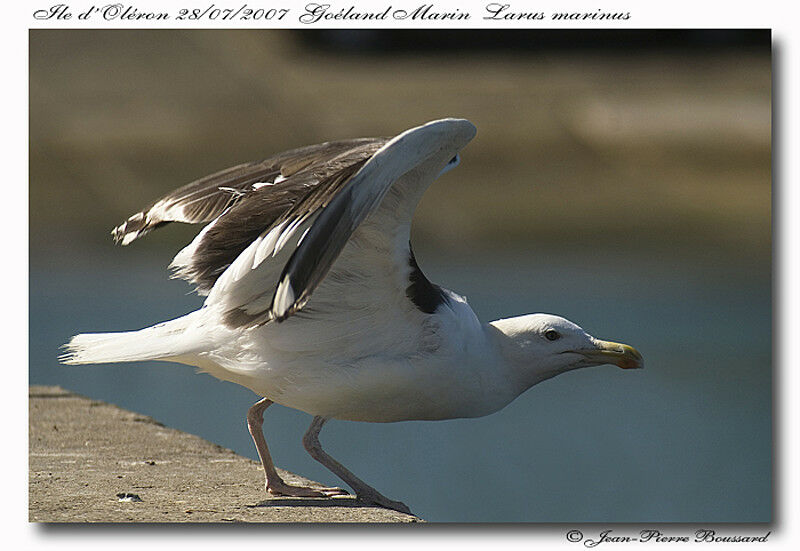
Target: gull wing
[
  {"x": 354, "y": 243},
  {"x": 254, "y": 195}
]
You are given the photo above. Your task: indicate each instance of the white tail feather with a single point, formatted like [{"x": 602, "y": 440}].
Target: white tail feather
[{"x": 160, "y": 342}]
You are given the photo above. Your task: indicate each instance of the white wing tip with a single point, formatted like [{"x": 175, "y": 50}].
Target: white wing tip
[
  {"x": 128, "y": 237},
  {"x": 284, "y": 298}
]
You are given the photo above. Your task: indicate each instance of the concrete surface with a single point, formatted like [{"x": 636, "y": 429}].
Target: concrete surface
[{"x": 94, "y": 462}]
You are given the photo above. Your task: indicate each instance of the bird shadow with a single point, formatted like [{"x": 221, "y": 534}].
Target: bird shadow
[{"x": 283, "y": 501}]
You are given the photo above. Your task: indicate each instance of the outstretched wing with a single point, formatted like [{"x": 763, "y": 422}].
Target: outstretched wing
[
  {"x": 353, "y": 253},
  {"x": 317, "y": 236},
  {"x": 254, "y": 195}
]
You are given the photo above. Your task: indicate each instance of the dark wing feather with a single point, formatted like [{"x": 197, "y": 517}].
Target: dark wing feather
[
  {"x": 296, "y": 198},
  {"x": 250, "y": 212},
  {"x": 205, "y": 199},
  {"x": 197, "y": 202},
  {"x": 414, "y": 155}
]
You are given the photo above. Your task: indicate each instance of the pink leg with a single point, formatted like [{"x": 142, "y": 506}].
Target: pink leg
[
  {"x": 275, "y": 484},
  {"x": 364, "y": 491}
]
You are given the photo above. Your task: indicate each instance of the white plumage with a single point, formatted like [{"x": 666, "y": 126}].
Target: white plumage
[{"x": 315, "y": 300}]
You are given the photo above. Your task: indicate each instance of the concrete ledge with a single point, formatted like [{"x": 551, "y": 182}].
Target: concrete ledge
[{"x": 94, "y": 462}]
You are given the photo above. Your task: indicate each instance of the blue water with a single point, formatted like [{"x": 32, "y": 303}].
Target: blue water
[{"x": 687, "y": 439}]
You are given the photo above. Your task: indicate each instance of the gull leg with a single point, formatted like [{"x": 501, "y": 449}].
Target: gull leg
[
  {"x": 274, "y": 483},
  {"x": 364, "y": 492}
]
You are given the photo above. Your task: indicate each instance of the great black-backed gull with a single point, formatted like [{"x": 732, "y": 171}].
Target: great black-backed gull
[{"x": 315, "y": 300}]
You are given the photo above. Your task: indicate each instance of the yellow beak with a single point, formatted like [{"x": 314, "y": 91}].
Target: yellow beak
[{"x": 606, "y": 352}]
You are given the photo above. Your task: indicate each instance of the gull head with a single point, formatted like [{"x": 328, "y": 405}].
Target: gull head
[{"x": 539, "y": 346}]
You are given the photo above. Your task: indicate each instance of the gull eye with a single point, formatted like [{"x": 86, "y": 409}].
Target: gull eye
[{"x": 551, "y": 335}]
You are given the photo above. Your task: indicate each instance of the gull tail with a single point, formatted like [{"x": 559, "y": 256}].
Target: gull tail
[{"x": 164, "y": 341}]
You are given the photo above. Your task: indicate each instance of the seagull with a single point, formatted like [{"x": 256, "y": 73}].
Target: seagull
[{"x": 314, "y": 299}]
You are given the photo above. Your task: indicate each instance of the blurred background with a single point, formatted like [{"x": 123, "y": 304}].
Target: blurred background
[{"x": 620, "y": 179}]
